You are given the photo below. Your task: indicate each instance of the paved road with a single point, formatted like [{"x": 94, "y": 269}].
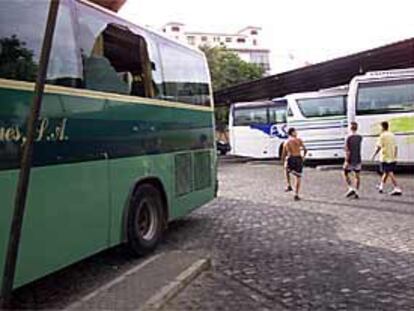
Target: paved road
[
  {"x": 271, "y": 253},
  {"x": 323, "y": 253}
]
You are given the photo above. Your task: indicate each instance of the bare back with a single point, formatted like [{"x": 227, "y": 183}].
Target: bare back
[{"x": 294, "y": 147}]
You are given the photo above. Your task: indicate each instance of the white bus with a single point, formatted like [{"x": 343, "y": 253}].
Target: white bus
[
  {"x": 258, "y": 129},
  {"x": 320, "y": 119},
  {"x": 384, "y": 96}
]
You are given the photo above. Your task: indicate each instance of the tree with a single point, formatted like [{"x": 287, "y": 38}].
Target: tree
[
  {"x": 228, "y": 69},
  {"x": 16, "y": 61}
]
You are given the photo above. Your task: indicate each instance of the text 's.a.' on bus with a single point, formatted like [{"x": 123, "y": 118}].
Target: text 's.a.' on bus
[
  {"x": 384, "y": 96},
  {"x": 258, "y": 129},
  {"x": 124, "y": 143},
  {"x": 321, "y": 121}
]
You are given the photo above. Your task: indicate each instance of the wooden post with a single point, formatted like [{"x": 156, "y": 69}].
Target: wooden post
[{"x": 26, "y": 160}]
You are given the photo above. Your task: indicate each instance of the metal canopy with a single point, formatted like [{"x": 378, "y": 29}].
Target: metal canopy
[{"x": 327, "y": 74}]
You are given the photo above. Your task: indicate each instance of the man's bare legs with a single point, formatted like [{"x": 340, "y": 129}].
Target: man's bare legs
[
  {"x": 297, "y": 186},
  {"x": 393, "y": 179},
  {"x": 287, "y": 176},
  {"x": 347, "y": 179},
  {"x": 357, "y": 180},
  {"x": 352, "y": 191},
  {"x": 384, "y": 178}
]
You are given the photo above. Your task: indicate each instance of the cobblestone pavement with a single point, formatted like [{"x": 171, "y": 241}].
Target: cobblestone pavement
[
  {"x": 271, "y": 253},
  {"x": 322, "y": 253}
]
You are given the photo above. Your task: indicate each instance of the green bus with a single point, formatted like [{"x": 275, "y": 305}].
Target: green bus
[{"x": 124, "y": 142}]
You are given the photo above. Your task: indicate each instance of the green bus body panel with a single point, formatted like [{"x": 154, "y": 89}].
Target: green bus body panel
[
  {"x": 67, "y": 216},
  {"x": 89, "y": 154},
  {"x": 124, "y": 174},
  {"x": 8, "y": 182}
]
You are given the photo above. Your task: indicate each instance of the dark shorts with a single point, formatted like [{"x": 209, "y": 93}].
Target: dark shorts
[
  {"x": 295, "y": 166},
  {"x": 352, "y": 167},
  {"x": 388, "y": 167}
]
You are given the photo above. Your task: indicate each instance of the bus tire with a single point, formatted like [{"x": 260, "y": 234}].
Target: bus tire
[
  {"x": 145, "y": 220},
  {"x": 280, "y": 151}
]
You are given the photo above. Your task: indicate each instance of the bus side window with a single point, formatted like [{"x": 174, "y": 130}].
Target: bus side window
[
  {"x": 185, "y": 74},
  {"x": 114, "y": 58},
  {"x": 289, "y": 112},
  {"x": 20, "y": 46},
  {"x": 277, "y": 115},
  {"x": 20, "y": 43},
  {"x": 65, "y": 65},
  {"x": 155, "y": 63}
]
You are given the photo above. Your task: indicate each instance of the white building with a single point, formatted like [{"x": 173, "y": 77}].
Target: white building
[{"x": 246, "y": 42}]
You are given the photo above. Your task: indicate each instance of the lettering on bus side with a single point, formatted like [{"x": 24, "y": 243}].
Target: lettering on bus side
[
  {"x": 45, "y": 132},
  {"x": 279, "y": 132}
]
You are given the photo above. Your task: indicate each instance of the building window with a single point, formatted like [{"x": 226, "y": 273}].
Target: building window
[
  {"x": 253, "y": 32},
  {"x": 175, "y": 28},
  {"x": 204, "y": 38},
  {"x": 191, "y": 40},
  {"x": 228, "y": 40},
  {"x": 254, "y": 42},
  {"x": 241, "y": 40}
]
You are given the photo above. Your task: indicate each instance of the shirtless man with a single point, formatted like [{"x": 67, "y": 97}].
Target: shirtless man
[{"x": 292, "y": 150}]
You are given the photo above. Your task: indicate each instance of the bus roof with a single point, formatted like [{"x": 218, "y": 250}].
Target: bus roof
[
  {"x": 336, "y": 91},
  {"x": 275, "y": 102},
  {"x": 279, "y": 100},
  {"x": 251, "y": 104},
  {"x": 386, "y": 74},
  {"x": 339, "y": 88}
]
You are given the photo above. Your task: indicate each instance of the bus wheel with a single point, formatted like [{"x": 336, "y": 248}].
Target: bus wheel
[
  {"x": 280, "y": 151},
  {"x": 145, "y": 223}
]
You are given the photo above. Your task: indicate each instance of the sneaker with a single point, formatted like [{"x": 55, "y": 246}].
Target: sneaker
[
  {"x": 296, "y": 197},
  {"x": 356, "y": 195},
  {"x": 288, "y": 189},
  {"x": 350, "y": 193},
  {"x": 396, "y": 191},
  {"x": 379, "y": 188}
]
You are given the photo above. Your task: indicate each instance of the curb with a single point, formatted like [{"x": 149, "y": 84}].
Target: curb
[
  {"x": 107, "y": 286},
  {"x": 168, "y": 292}
]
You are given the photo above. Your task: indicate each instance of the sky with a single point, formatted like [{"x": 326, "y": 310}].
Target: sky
[{"x": 296, "y": 31}]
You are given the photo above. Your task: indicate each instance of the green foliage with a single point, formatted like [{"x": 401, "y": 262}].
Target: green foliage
[
  {"x": 222, "y": 117},
  {"x": 228, "y": 69},
  {"x": 16, "y": 61}
]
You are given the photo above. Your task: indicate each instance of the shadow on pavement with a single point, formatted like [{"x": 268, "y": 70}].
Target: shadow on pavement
[
  {"x": 296, "y": 259},
  {"x": 58, "y": 290},
  {"x": 291, "y": 257}
]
